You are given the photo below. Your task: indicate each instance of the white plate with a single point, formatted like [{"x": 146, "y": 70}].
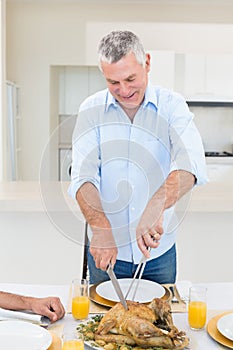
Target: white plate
[
  {"x": 225, "y": 326},
  {"x": 147, "y": 290},
  {"x": 23, "y": 335}
]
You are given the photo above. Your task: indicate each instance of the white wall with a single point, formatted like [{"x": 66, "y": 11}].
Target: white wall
[
  {"x": 41, "y": 35},
  {"x": 2, "y": 86},
  {"x": 38, "y": 37},
  {"x": 178, "y": 37}
]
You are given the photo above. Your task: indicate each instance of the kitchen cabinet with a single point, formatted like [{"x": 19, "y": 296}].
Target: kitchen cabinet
[
  {"x": 219, "y": 75},
  {"x": 194, "y": 74},
  {"x": 75, "y": 84},
  {"x": 70, "y": 86},
  {"x": 208, "y": 77},
  {"x": 203, "y": 233},
  {"x": 162, "y": 71},
  {"x": 220, "y": 170}
]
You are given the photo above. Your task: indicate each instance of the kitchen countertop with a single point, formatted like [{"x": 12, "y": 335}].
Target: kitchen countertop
[
  {"x": 36, "y": 197},
  {"x": 212, "y": 197},
  {"x": 219, "y": 160}
]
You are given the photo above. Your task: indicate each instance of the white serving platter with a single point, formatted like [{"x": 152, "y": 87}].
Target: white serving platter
[{"x": 147, "y": 290}]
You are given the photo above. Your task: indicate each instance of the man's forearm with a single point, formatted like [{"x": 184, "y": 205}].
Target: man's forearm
[
  {"x": 15, "y": 302},
  {"x": 89, "y": 201},
  {"x": 177, "y": 184},
  {"x": 102, "y": 246}
]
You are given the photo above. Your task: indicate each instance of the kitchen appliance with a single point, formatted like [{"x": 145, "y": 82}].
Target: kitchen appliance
[
  {"x": 218, "y": 154},
  {"x": 65, "y": 164}
]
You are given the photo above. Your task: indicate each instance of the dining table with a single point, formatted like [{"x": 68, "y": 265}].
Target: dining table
[{"x": 219, "y": 300}]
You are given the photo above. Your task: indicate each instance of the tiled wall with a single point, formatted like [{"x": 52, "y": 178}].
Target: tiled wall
[{"x": 216, "y": 127}]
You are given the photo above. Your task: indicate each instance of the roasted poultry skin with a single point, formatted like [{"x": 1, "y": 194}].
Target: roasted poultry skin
[{"x": 141, "y": 325}]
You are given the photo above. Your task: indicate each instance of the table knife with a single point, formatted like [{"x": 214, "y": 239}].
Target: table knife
[{"x": 116, "y": 286}]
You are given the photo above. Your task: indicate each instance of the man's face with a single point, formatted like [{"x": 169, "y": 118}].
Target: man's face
[{"x": 127, "y": 80}]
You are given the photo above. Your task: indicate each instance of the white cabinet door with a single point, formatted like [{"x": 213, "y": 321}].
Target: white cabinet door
[
  {"x": 73, "y": 89},
  {"x": 194, "y": 74},
  {"x": 77, "y": 83},
  {"x": 96, "y": 80},
  {"x": 208, "y": 76},
  {"x": 219, "y": 75},
  {"x": 162, "y": 70}
]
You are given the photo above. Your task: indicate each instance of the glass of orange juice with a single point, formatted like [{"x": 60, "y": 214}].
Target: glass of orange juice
[
  {"x": 80, "y": 299},
  {"x": 197, "y": 307},
  {"x": 72, "y": 341}
]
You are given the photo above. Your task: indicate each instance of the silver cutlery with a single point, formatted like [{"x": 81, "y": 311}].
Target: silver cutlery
[
  {"x": 116, "y": 286},
  {"x": 174, "y": 298},
  {"x": 141, "y": 267}
]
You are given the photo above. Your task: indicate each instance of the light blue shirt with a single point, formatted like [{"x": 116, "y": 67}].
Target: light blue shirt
[{"x": 128, "y": 162}]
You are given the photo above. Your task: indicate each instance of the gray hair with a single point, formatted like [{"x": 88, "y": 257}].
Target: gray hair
[{"x": 118, "y": 44}]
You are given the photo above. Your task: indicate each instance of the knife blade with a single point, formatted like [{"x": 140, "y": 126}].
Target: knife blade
[{"x": 116, "y": 286}]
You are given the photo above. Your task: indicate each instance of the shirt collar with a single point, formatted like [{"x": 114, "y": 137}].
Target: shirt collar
[
  {"x": 150, "y": 98},
  {"x": 110, "y": 101}
]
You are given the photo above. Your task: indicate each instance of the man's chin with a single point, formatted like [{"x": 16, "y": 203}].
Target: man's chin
[{"x": 129, "y": 105}]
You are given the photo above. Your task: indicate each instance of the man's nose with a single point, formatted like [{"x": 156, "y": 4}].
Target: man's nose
[{"x": 124, "y": 89}]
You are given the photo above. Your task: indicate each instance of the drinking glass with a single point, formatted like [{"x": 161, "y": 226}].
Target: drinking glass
[
  {"x": 80, "y": 299},
  {"x": 197, "y": 307},
  {"x": 72, "y": 341}
]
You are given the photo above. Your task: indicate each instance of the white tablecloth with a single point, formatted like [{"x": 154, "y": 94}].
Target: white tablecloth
[{"x": 220, "y": 299}]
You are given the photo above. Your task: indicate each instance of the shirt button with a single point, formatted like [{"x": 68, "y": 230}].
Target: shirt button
[{"x": 132, "y": 208}]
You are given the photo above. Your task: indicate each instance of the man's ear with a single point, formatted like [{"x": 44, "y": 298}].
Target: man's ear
[{"x": 147, "y": 62}]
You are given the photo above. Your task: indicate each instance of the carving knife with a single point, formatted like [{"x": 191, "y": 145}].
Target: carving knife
[{"x": 116, "y": 286}]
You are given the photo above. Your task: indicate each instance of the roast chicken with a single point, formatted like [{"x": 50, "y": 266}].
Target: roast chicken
[{"x": 141, "y": 325}]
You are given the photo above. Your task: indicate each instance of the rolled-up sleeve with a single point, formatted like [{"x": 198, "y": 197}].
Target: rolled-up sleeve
[
  {"x": 186, "y": 144},
  {"x": 85, "y": 154}
]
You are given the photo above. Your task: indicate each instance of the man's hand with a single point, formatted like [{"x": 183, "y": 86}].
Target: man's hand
[
  {"x": 103, "y": 248},
  {"x": 150, "y": 227},
  {"x": 50, "y": 307},
  {"x": 148, "y": 233}
]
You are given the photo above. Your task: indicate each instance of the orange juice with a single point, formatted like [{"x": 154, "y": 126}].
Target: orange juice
[
  {"x": 80, "y": 307},
  {"x": 73, "y": 345},
  {"x": 197, "y": 314}
]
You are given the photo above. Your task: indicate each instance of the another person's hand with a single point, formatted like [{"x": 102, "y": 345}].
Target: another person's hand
[
  {"x": 50, "y": 307},
  {"x": 103, "y": 248}
]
